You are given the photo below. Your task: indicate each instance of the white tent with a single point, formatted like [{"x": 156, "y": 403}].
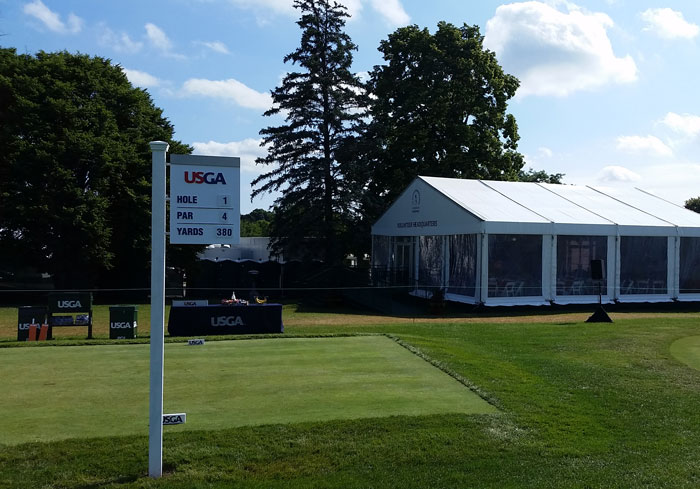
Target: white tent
[{"x": 503, "y": 243}]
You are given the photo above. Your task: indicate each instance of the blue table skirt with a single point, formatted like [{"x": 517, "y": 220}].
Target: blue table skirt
[{"x": 223, "y": 319}]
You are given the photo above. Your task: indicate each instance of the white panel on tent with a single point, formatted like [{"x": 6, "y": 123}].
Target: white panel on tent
[
  {"x": 515, "y": 265},
  {"x": 690, "y": 267},
  {"x": 611, "y": 209},
  {"x": 574, "y": 257},
  {"x": 643, "y": 265},
  {"x": 483, "y": 201},
  {"x": 547, "y": 203},
  {"x": 656, "y": 206}
]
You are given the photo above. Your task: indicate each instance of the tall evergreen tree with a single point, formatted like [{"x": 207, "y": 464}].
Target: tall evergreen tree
[{"x": 322, "y": 105}]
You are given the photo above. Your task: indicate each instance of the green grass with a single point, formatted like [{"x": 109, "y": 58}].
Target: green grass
[
  {"x": 580, "y": 406},
  {"x": 687, "y": 350},
  {"x": 221, "y": 384}
]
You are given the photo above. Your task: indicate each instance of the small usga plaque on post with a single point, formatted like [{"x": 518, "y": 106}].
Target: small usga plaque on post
[
  {"x": 177, "y": 418},
  {"x": 198, "y": 341}
]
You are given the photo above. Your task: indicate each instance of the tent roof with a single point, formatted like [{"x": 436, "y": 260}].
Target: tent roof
[
  {"x": 497, "y": 204},
  {"x": 570, "y": 204}
]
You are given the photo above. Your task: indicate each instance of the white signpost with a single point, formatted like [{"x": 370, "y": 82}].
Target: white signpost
[{"x": 204, "y": 209}]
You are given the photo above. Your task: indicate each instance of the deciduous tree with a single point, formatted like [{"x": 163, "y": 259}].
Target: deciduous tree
[
  {"x": 540, "y": 176},
  {"x": 75, "y": 168},
  {"x": 439, "y": 108},
  {"x": 257, "y": 223}
]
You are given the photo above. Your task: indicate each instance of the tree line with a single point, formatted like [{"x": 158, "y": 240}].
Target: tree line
[
  {"x": 75, "y": 170},
  {"x": 348, "y": 148},
  {"x": 75, "y": 165}
]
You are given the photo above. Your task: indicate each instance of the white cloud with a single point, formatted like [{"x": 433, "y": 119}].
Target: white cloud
[
  {"x": 392, "y": 11},
  {"x": 617, "y": 174},
  {"x": 669, "y": 24},
  {"x": 52, "y": 20},
  {"x": 354, "y": 8},
  {"x": 230, "y": 89},
  {"x": 275, "y": 6},
  {"x": 643, "y": 144},
  {"x": 544, "y": 152},
  {"x": 286, "y": 7},
  {"x": 120, "y": 42},
  {"x": 554, "y": 52},
  {"x": 687, "y": 125},
  {"x": 363, "y": 76},
  {"x": 141, "y": 78},
  {"x": 158, "y": 38},
  {"x": 216, "y": 46},
  {"x": 535, "y": 161},
  {"x": 675, "y": 181},
  {"x": 248, "y": 150}
]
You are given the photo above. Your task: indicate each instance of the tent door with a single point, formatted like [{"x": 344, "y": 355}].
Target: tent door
[{"x": 404, "y": 261}]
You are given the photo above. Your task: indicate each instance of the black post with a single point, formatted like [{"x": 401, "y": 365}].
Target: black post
[{"x": 600, "y": 315}]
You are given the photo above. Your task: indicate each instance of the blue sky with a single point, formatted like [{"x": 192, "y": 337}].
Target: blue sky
[{"x": 609, "y": 88}]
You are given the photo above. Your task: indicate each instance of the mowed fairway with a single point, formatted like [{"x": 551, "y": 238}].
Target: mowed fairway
[{"x": 93, "y": 391}]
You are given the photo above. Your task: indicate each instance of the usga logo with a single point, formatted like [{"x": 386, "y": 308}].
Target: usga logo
[
  {"x": 201, "y": 177},
  {"x": 121, "y": 325},
  {"x": 23, "y": 326},
  {"x": 178, "y": 418},
  {"x": 227, "y": 321},
  {"x": 69, "y": 304}
]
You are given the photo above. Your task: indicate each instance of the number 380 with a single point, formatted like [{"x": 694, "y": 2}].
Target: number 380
[{"x": 224, "y": 232}]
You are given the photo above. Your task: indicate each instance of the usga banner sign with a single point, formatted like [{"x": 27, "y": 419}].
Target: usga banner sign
[
  {"x": 177, "y": 418},
  {"x": 204, "y": 199}
]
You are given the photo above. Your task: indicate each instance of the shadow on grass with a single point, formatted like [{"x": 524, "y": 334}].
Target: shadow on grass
[
  {"x": 124, "y": 479},
  {"x": 386, "y": 303}
]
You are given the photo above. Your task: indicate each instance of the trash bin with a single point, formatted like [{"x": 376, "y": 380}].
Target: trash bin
[
  {"x": 122, "y": 322},
  {"x": 29, "y": 315}
]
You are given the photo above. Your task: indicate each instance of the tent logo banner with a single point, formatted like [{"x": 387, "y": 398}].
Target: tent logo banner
[{"x": 415, "y": 201}]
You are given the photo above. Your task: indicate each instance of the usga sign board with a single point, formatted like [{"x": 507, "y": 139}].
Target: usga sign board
[
  {"x": 204, "y": 199},
  {"x": 177, "y": 418}
]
